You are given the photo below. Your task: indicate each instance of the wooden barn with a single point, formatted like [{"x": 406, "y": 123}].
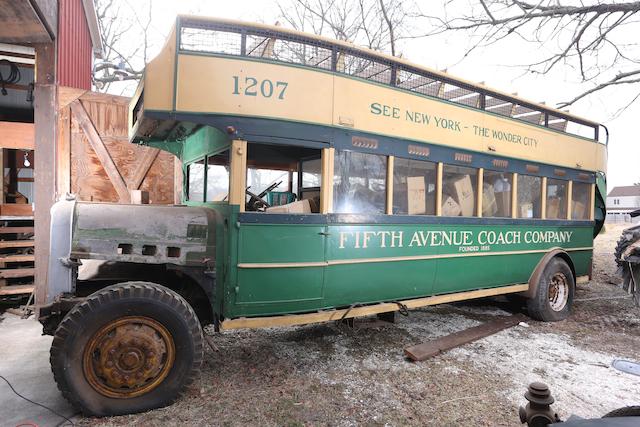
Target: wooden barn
[{"x": 57, "y": 136}]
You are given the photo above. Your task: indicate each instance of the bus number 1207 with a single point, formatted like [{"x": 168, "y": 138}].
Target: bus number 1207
[{"x": 253, "y": 87}]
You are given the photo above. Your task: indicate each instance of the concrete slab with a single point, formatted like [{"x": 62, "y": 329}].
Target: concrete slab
[{"x": 24, "y": 361}]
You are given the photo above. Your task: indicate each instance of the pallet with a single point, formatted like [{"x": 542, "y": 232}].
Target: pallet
[
  {"x": 16, "y": 290},
  {"x": 17, "y": 268}
]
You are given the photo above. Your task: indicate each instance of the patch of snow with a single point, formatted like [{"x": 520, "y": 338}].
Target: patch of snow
[{"x": 582, "y": 381}]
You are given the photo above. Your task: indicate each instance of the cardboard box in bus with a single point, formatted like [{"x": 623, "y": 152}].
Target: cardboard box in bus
[
  {"x": 450, "y": 207},
  {"x": 464, "y": 195},
  {"x": 503, "y": 202},
  {"x": 578, "y": 210},
  {"x": 416, "y": 195},
  {"x": 489, "y": 205},
  {"x": 526, "y": 210},
  {"x": 553, "y": 207},
  {"x": 299, "y": 207}
]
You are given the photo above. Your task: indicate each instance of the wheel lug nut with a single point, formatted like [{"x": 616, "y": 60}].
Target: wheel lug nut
[{"x": 109, "y": 364}]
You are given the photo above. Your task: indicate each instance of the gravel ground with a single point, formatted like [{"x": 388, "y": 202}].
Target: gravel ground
[{"x": 329, "y": 374}]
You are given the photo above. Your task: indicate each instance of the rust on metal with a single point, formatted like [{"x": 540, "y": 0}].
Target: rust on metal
[
  {"x": 433, "y": 348},
  {"x": 128, "y": 357}
]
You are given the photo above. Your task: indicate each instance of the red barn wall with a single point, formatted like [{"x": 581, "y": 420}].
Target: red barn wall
[{"x": 75, "y": 51}]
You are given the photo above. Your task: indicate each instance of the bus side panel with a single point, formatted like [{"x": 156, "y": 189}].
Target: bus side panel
[
  {"x": 360, "y": 269},
  {"x": 263, "y": 285}
]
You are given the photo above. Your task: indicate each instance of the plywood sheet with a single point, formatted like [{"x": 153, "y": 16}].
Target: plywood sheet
[{"x": 89, "y": 181}]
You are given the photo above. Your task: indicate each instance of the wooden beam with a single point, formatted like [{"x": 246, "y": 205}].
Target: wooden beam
[
  {"x": 433, "y": 348},
  {"x": 141, "y": 171},
  {"x": 17, "y": 135},
  {"x": 45, "y": 111},
  {"x": 101, "y": 151},
  {"x": 347, "y": 313},
  {"x": 178, "y": 178},
  {"x": 63, "y": 153}
]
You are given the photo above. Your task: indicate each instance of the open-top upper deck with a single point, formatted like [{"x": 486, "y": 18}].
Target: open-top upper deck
[{"x": 253, "y": 79}]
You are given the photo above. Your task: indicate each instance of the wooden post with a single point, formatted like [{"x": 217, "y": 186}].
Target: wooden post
[
  {"x": 514, "y": 196},
  {"x": 480, "y": 192},
  {"x": 543, "y": 198},
  {"x": 326, "y": 181},
  {"x": 63, "y": 153},
  {"x": 390, "y": 161},
  {"x": 569, "y": 197},
  {"x": 592, "y": 203},
  {"x": 178, "y": 178},
  {"x": 238, "y": 173},
  {"x": 45, "y": 110},
  {"x": 439, "y": 172}
]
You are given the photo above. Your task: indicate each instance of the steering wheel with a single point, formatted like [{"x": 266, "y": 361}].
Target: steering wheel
[{"x": 256, "y": 202}]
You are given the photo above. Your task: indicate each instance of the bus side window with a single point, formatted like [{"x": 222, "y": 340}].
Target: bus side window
[
  {"x": 195, "y": 174},
  {"x": 414, "y": 187},
  {"x": 459, "y": 190},
  {"x": 581, "y": 200},
  {"x": 556, "y": 199},
  {"x": 529, "y": 196},
  {"x": 359, "y": 184},
  {"x": 218, "y": 177},
  {"x": 496, "y": 194}
]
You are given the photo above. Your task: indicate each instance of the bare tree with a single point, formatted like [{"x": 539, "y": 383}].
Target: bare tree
[
  {"x": 376, "y": 24},
  {"x": 125, "y": 32},
  {"x": 598, "y": 40}
]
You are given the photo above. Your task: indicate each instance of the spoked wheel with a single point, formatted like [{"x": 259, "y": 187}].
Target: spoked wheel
[
  {"x": 127, "y": 348},
  {"x": 554, "y": 293}
]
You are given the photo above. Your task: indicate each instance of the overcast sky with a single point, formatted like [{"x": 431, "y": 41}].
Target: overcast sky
[{"x": 497, "y": 67}]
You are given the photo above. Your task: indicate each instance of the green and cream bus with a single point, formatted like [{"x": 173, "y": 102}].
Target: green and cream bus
[{"x": 321, "y": 181}]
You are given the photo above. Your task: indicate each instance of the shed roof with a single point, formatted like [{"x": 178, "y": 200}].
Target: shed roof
[{"x": 625, "y": 191}]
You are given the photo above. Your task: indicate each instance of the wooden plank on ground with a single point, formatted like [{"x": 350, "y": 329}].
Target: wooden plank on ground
[
  {"x": 17, "y": 258},
  {"x": 16, "y": 244},
  {"x": 101, "y": 151},
  {"x": 12, "y": 230},
  {"x": 14, "y": 273},
  {"x": 440, "y": 345},
  {"x": 15, "y": 290}
]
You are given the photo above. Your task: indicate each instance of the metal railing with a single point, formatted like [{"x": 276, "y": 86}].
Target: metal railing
[{"x": 214, "y": 37}]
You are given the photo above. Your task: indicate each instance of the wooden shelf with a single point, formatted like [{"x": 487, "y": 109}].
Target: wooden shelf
[
  {"x": 17, "y": 258},
  {"x": 16, "y": 290},
  {"x": 16, "y": 244},
  {"x": 14, "y": 273},
  {"x": 16, "y": 230}
]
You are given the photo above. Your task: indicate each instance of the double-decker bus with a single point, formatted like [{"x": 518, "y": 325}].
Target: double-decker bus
[{"x": 322, "y": 181}]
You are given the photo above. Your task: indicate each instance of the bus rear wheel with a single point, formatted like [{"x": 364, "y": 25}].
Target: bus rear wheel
[
  {"x": 555, "y": 289},
  {"x": 127, "y": 348}
]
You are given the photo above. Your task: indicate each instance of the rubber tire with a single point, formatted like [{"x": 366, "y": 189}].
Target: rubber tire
[
  {"x": 539, "y": 307},
  {"x": 627, "y": 411},
  {"x": 106, "y": 305}
]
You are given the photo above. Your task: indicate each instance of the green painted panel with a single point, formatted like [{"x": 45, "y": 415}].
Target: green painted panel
[
  {"x": 259, "y": 243},
  {"x": 204, "y": 141},
  {"x": 386, "y": 262}
]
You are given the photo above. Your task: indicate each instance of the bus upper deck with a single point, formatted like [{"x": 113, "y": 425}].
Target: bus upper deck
[{"x": 249, "y": 78}]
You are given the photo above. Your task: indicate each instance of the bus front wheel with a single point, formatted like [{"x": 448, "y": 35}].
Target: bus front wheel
[
  {"x": 554, "y": 292},
  {"x": 127, "y": 348}
]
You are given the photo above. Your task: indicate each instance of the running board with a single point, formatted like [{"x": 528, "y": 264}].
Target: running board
[{"x": 347, "y": 313}]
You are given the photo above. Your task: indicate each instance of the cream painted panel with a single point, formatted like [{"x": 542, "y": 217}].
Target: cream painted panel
[{"x": 207, "y": 85}]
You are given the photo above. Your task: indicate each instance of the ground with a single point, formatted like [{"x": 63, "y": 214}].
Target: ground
[{"x": 329, "y": 374}]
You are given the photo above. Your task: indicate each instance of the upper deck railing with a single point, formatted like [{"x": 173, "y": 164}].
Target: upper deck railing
[{"x": 221, "y": 37}]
